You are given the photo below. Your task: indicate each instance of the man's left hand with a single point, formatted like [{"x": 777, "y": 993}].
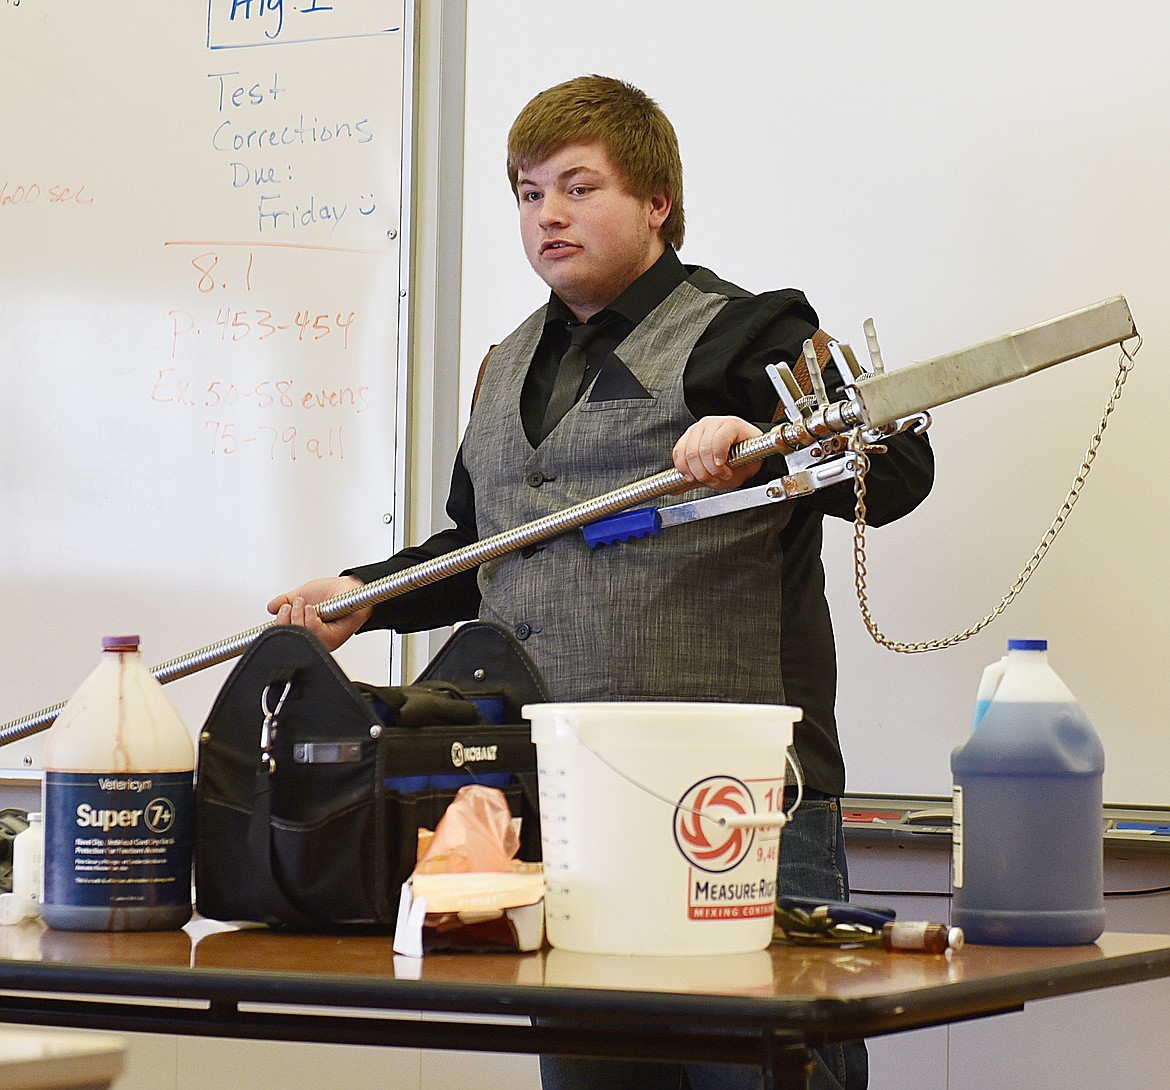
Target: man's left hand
[{"x": 701, "y": 453}]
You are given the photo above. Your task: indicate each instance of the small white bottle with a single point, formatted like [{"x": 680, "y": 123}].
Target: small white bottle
[
  {"x": 23, "y": 903},
  {"x": 28, "y": 856}
]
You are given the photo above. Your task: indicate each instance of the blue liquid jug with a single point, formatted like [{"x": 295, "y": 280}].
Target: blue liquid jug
[{"x": 1028, "y": 820}]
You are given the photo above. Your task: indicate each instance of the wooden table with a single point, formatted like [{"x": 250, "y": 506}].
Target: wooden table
[{"x": 769, "y": 1008}]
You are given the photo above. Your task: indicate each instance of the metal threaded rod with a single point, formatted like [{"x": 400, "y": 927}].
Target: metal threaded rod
[{"x": 782, "y": 439}]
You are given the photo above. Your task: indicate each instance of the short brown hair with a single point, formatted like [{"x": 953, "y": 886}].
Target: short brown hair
[{"x": 638, "y": 136}]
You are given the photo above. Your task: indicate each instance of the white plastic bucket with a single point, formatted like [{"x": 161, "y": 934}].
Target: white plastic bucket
[{"x": 660, "y": 824}]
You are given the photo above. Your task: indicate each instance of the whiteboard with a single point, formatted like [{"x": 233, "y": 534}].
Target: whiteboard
[
  {"x": 956, "y": 172},
  {"x": 200, "y": 215}
]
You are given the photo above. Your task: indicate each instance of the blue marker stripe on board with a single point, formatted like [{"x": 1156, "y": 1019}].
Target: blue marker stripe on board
[{"x": 1152, "y": 828}]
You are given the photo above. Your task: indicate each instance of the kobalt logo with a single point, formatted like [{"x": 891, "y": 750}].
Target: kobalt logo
[
  {"x": 704, "y": 843},
  {"x": 461, "y": 754}
]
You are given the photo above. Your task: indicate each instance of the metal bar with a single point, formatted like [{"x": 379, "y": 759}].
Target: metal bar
[
  {"x": 920, "y": 387},
  {"x": 797, "y": 483}
]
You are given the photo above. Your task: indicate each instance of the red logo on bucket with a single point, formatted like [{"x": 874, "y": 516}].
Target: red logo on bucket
[{"x": 703, "y": 842}]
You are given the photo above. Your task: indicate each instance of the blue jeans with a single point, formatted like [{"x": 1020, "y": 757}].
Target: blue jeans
[{"x": 812, "y": 864}]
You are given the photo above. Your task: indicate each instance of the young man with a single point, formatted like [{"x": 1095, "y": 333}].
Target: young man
[{"x": 635, "y": 355}]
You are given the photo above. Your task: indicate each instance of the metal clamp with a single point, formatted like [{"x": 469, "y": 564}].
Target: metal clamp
[{"x": 269, "y": 728}]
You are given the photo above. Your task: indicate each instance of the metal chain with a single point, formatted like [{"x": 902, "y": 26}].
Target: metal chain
[{"x": 862, "y": 449}]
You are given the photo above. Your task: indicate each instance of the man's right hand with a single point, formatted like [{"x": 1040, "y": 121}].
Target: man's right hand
[{"x": 299, "y": 607}]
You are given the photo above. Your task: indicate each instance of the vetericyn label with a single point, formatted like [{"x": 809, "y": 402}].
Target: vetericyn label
[{"x": 118, "y": 803}]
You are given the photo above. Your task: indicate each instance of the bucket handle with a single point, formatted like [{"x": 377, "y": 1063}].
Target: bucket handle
[{"x": 774, "y": 820}]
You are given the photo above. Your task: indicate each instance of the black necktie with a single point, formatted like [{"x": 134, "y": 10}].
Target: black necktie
[{"x": 570, "y": 375}]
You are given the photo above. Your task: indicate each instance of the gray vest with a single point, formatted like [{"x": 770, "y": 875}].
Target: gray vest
[{"x": 690, "y": 614}]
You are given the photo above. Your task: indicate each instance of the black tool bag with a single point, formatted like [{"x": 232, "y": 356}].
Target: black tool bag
[{"x": 311, "y": 789}]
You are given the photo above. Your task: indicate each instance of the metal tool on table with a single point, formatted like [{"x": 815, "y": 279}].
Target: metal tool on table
[{"x": 811, "y": 437}]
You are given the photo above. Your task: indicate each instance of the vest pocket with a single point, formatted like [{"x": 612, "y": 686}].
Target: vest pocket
[{"x": 630, "y": 404}]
